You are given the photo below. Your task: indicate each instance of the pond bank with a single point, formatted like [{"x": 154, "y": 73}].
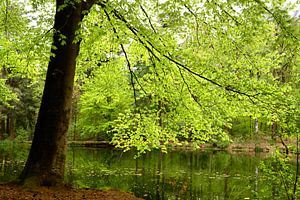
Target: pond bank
[
  {"x": 15, "y": 192},
  {"x": 184, "y": 174},
  {"x": 249, "y": 147}
]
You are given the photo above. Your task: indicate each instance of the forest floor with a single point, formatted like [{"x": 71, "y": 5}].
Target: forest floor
[{"x": 14, "y": 192}]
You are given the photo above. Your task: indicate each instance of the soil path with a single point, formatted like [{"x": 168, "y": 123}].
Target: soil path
[{"x": 14, "y": 192}]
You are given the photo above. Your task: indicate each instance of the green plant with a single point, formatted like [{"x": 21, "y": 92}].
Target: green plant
[{"x": 279, "y": 175}]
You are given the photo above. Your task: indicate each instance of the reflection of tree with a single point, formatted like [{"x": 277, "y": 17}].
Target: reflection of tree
[
  {"x": 160, "y": 177},
  {"x": 184, "y": 175},
  {"x": 226, "y": 186},
  {"x": 191, "y": 175},
  {"x": 226, "y": 179},
  {"x": 12, "y": 159}
]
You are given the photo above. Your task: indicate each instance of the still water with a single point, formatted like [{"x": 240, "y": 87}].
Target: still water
[{"x": 176, "y": 175}]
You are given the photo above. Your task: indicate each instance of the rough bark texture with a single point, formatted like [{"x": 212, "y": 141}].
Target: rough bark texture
[{"x": 46, "y": 161}]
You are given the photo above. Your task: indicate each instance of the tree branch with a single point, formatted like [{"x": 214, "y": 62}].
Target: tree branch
[
  {"x": 194, "y": 97},
  {"x": 149, "y": 20},
  {"x": 228, "y": 14},
  {"x": 196, "y": 20},
  {"x": 169, "y": 57},
  {"x": 278, "y": 21},
  {"x": 297, "y": 169},
  {"x": 132, "y": 74}
]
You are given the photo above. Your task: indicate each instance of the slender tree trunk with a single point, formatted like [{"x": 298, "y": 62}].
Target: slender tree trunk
[
  {"x": 256, "y": 129},
  {"x": 2, "y": 127},
  {"x": 256, "y": 126},
  {"x": 250, "y": 126},
  {"x": 274, "y": 127},
  {"x": 46, "y": 161},
  {"x": 10, "y": 126},
  {"x": 161, "y": 113}
]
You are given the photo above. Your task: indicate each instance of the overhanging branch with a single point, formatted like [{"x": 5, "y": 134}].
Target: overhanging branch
[
  {"x": 194, "y": 97},
  {"x": 278, "y": 21},
  {"x": 153, "y": 50},
  {"x": 132, "y": 74}
]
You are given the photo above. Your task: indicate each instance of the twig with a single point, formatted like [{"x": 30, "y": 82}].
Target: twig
[
  {"x": 278, "y": 21},
  {"x": 297, "y": 170},
  {"x": 149, "y": 20},
  {"x": 196, "y": 20},
  {"x": 227, "y": 13},
  {"x": 169, "y": 57},
  {"x": 285, "y": 146},
  {"x": 194, "y": 97},
  {"x": 127, "y": 59},
  {"x": 285, "y": 185}
]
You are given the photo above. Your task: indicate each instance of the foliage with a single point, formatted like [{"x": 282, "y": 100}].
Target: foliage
[
  {"x": 23, "y": 134},
  {"x": 6, "y": 94},
  {"x": 24, "y": 43},
  {"x": 103, "y": 100},
  {"x": 281, "y": 173},
  {"x": 13, "y": 156},
  {"x": 156, "y": 72},
  {"x": 186, "y": 175},
  {"x": 192, "y": 68},
  {"x": 153, "y": 72}
]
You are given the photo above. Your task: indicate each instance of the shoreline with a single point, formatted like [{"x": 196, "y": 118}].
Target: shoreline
[{"x": 235, "y": 147}]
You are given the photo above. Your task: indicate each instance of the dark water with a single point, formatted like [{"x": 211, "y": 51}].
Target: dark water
[{"x": 176, "y": 175}]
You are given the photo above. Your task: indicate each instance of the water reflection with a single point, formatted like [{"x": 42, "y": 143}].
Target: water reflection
[
  {"x": 176, "y": 175},
  {"x": 12, "y": 160}
]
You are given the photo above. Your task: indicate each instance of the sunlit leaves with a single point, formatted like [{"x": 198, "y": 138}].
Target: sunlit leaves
[
  {"x": 6, "y": 94},
  {"x": 232, "y": 48},
  {"x": 279, "y": 171},
  {"x": 103, "y": 99}
]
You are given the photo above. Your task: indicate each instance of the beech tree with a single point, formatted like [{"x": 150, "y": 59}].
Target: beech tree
[
  {"x": 46, "y": 160},
  {"x": 204, "y": 51}
]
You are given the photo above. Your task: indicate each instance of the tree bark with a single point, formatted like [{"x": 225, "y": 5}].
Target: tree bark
[
  {"x": 10, "y": 126},
  {"x": 274, "y": 128},
  {"x": 46, "y": 161},
  {"x": 2, "y": 126}
]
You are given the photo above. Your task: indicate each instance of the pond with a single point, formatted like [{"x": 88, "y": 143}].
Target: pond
[{"x": 211, "y": 175}]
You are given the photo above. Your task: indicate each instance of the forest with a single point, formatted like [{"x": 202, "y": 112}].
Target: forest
[{"x": 151, "y": 76}]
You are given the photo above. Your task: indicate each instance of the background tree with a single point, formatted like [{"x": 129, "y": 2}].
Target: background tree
[
  {"x": 211, "y": 65},
  {"x": 21, "y": 68},
  {"x": 192, "y": 68}
]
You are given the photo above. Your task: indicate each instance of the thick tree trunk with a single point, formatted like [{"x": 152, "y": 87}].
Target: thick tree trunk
[{"x": 46, "y": 161}]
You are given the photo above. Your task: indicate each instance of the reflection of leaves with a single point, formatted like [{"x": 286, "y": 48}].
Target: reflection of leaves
[
  {"x": 280, "y": 174},
  {"x": 180, "y": 171},
  {"x": 12, "y": 159}
]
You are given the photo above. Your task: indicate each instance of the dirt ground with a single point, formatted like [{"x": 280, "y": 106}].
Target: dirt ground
[{"x": 14, "y": 192}]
